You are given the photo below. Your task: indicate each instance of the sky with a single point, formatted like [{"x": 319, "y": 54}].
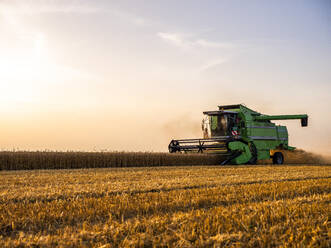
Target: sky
[{"x": 131, "y": 75}]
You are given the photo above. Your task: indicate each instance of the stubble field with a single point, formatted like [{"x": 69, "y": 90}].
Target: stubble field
[{"x": 189, "y": 206}]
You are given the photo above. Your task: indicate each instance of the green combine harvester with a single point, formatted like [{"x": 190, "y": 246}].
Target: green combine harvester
[{"x": 242, "y": 135}]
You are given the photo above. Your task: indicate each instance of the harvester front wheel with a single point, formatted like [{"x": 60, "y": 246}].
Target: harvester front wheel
[{"x": 278, "y": 158}]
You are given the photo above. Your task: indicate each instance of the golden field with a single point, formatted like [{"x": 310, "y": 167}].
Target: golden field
[{"x": 188, "y": 206}]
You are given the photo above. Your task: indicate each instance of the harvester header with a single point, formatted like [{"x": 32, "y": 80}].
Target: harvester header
[{"x": 242, "y": 135}]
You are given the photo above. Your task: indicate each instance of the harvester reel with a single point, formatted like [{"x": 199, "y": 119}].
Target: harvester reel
[
  {"x": 173, "y": 146},
  {"x": 200, "y": 149}
]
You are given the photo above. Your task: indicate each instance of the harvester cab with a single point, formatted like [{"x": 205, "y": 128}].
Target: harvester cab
[
  {"x": 219, "y": 123},
  {"x": 241, "y": 135}
]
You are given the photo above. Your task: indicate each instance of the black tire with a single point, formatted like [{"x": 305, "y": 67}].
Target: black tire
[{"x": 278, "y": 158}]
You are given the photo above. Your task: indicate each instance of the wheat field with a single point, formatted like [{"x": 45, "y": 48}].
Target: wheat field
[
  {"x": 190, "y": 206},
  {"x": 32, "y": 160}
]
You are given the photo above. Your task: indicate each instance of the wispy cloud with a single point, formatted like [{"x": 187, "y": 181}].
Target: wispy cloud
[
  {"x": 130, "y": 18},
  {"x": 212, "y": 44},
  {"x": 174, "y": 39},
  {"x": 184, "y": 41},
  {"x": 57, "y": 6},
  {"x": 200, "y": 49},
  {"x": 211, "y": 64},
  {"x": 29, "y": 7}
]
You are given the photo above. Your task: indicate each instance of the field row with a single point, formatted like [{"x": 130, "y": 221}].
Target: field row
[
  {"x": 167, "y": 206},
  {"x": 47, "y": 185}
]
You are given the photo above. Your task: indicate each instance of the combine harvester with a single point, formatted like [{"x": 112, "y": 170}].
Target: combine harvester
[{"x": 242, "y": 135}]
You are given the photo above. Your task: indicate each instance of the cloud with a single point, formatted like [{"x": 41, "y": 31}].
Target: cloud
[
  {"x": 130, "y": 18},
  {"x": 212, "y": 44},
  {"x": 212, "y": 64},
  {"x": 174, "y": 39},
  {"x": 39, "y": 7},
  {"x": 183, "y": 41},
  {"x": 211, "y": 53}
]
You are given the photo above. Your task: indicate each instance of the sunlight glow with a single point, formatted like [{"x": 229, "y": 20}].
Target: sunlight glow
[{"x": 22, "y": 71}]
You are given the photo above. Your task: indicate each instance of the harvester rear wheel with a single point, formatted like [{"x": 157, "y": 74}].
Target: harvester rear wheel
[{"x": 278, "y": 158}]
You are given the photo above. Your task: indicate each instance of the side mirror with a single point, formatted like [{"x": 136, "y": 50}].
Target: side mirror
[{"x": 304, "y": 122}]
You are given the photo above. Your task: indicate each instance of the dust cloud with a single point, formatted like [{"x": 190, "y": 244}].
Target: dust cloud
[
  {"x": 182, "y": 127},
  {"x": 300, "y": 156}
]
